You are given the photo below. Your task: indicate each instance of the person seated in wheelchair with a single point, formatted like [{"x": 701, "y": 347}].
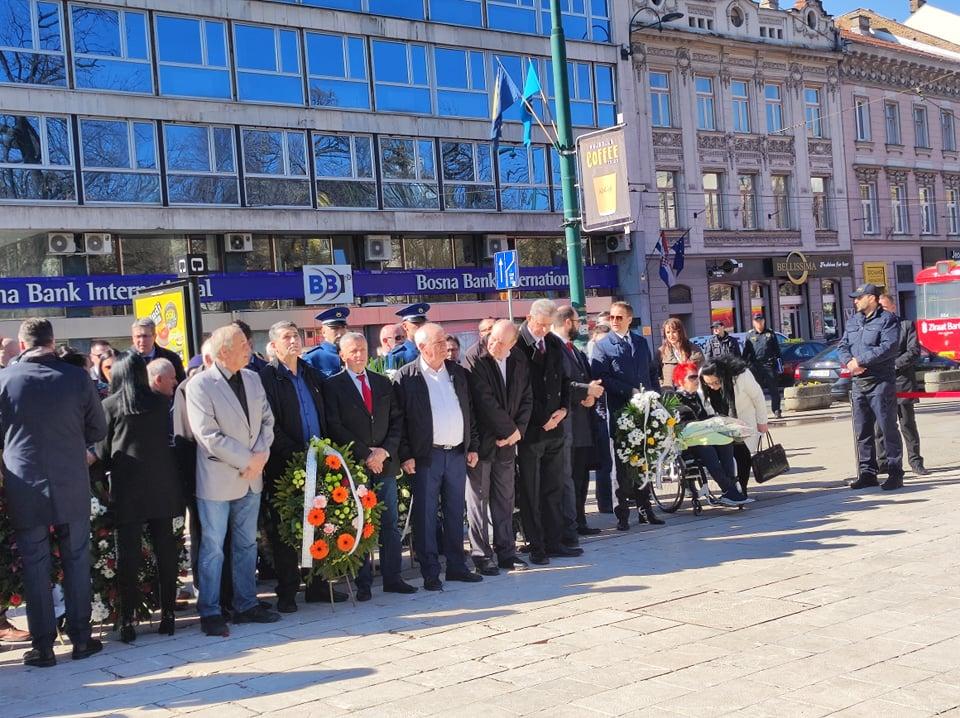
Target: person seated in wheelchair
[{"x": 718, "y": 460}]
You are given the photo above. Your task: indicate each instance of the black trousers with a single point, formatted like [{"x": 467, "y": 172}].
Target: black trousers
[
  {"x": 541, "y": 466},
  {"x": 581, "y": 480},
  {"x": 130, "y": 561},
  {"x": 875, "y": 409},
  {"x": 744, "y": 459},
  {"x": 627, "y": 492},
  {"x": 286, "y": 559},
  {"x": 907, "y": 417},
  {"x": 768, "y": 379}
]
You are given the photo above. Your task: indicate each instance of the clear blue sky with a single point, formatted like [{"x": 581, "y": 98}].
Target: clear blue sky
[{"x": 896, "y": 9}]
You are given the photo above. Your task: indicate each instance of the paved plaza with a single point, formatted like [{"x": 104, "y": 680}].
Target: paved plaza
[{"x": 814, "y": 601}]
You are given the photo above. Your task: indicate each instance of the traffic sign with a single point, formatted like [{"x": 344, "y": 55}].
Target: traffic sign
[{"x": 506, "y": 267}]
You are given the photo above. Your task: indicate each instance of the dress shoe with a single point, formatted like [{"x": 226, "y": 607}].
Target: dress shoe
[
  {"x": 893, "y": 483},
  {"x": 12, "y": 634},
  {"x": 650, "y": 517},
  {"x": 539, "y": 558},
  {"x": 778, "y": 414},
  {"x": 265, "y": 605},
  {"x": 587, "y": 531},
  {"x": 512, "y": 564},
  {"x": 562, "y": 551},
  {"x": 364, "y": 593},
  {"x": 214, "y": 626},
  {"x": 128, "y": 634},
  {"x": 487, "y": 568},
  {"x": 257, "y": 614},
  {"x": 464, "y": 576},
  {"x": 400, "y": 586},
  {"x": 623, "y": 525},
  {"x": 919, "y": 469},
  {"x": 287, "y": 605},
  {"x": 85, "y": 650},
  {"x": 864, "y": 481},
  {"x": 432, "y": 584},
  {"x": 40, "y": 658},
  {"x": 167, "y": 623}
]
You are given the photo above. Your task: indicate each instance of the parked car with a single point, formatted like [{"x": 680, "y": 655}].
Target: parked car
[
  {"x": 741, "y": 337},
  {"x": 795, "y": 353}
]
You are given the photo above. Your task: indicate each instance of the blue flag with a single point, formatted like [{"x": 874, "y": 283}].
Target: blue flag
[
  {"x": 666, "y": 271},
  {"x": 678, "y": 255},
  {"x": 505, "y": 95},
  {"x": 531, "y": 88}
]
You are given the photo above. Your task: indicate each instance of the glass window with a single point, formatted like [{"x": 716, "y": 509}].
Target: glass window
[
  {"x": 581, "y": 91},
  {"x": 949, "y": 132},
  {"x": 36, "y": 159},
  {"x": 514, "y": 15},
  {"x": 119, "y": 159},
  {"x": 457, "y": 12},
  {"x": 573, "y": 17},
  {"x": 921, "y": 131},
  {"x": 706, "y": 114},
  {"x": 523, "y": 178},
  {"x": 780, "y": 216},
  {"x": 468, "y": 175},
  {"x": 898, "y": 209},
  {"x": 409, "y": 173},
  {"x": 606, "y": 95},
  {"x": 400, "y": 76},
  {"x": 356, "y": 5},
  {"x": 268, "y": 64},
  {"x": 712, "y": 200},
  {"x": 275, "y": 168},
  {"x": 928, "y": 211},
  {"x": 201, "y": 164},
  {"x": 344, "y": 169},
  {"x": 412, "y": 9},
  {"x": 862, "y": 118},
  {"x": 773, "y": 101},
  {"x": 822, "y": 216},
  {"x": 31, "y": 43},
  {"x": 667, "y": 199},
  {"x": 953, "y": 211},
  {"x": 891, "y": 121},
  {"x": 337, "y": 71},
  {"x": 812, "y": 111},
  {"x": 110, "y": 49},
  {"x": 556, "y": 179},
  {"x": 192, "y": 57},
  {"x": 740, "y": 95},
  {"x": 747, "y": 185},
  {"x": 517, "y": 67},
  {"x": 461, "y": 83},
  {"x": 660, "y": 99},
  {"x": 868, "y": 207}
]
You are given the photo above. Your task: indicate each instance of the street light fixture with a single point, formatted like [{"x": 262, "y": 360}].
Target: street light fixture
[{"x": 625, "y": 50}]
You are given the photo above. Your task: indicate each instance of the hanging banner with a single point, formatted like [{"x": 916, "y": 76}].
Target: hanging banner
[{"x": 605, "y": 194}]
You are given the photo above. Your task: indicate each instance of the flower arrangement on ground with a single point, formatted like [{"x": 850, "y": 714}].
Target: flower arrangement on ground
[
  {"x": 645, "y": 439},
  {"x": 328, "y": 511}
]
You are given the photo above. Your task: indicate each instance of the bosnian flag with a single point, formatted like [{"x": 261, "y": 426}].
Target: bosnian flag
[{"x": 667, "y": 273}]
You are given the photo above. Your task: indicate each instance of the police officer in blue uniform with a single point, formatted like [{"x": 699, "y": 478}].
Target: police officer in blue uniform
[
  {"x": 325, "y": 357},
  {"x": 413, "y": 317},
  {"x": 869, "y": 350}
]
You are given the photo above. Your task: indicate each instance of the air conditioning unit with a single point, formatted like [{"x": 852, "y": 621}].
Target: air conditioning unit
[
  {"x": 378, "y": 248},
  {"x": 61, "y": 243},
  {"x": 618, "y": 243},
  {"x": 494, "y": 243},
  {"x": 97, "y": 243},
  {"x": 237, "y": 242}
]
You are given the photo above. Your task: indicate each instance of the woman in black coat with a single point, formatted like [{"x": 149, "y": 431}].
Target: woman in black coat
[{"x": 144, "y": 486}]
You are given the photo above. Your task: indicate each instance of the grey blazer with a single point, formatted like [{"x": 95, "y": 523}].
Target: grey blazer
[{"x": 226, "y": 439}]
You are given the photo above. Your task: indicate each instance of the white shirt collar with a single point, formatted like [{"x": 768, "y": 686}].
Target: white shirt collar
[{"x": 426, "y": 369}]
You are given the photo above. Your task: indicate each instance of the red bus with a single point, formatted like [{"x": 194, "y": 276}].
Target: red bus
[{"x": 938, "y": 309}]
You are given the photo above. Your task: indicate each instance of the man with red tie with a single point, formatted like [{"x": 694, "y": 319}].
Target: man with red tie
[{"x": 362, "y": 409}]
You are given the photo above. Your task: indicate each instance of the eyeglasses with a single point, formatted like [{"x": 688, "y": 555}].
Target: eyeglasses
[
  {"x": 400, "y": 337},
  {"x": 618, "y": 317},
  {"x": 693, "y": 377}
]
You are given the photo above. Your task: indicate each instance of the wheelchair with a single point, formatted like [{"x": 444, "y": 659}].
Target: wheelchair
[{"x": 685, "y": 475}]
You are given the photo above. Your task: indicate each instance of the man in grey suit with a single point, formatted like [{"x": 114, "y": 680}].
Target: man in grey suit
[{"x": 233, "y": 426}]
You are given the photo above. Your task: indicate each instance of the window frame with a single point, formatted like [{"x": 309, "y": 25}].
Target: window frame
[
  {"x": 132, "y": 156},
  {"x": 713, "y": 202},
  {"x": 869, "y": 207},
  {"x": 278, "y": 58},
  {"x": 212, "y": 156},
  {"x": 782, "y": 217},
  {"x": 706, "y": 101},
  {"x": 862, "y": 119},
  {"x": 545, "y": 187},
  {"x": 355, "y": 176},
  {"x": 667, "y": 199},
  {"x": 813, "y": 112},
  {"x": 921, "y": 128},
  {"x": 900, "y": 218},
  {"x": 660, "y": 98},
  {"x": 477, "y": 184},
  {"x": 948, "y": 130},
  {"x": 123, "y": 57},
  {"x": 437, "y": 88},
  {"x": 952, "y": 200},
  {"x": 345, "y": 39},
  {"x": 821, "y": 205},
  {"x": 740, "y": 104},
  {"x": 748, "y": 201},
  {"x": 385, "y": 181},
  {"x": 45, "y": 164},
  {"x": 891, "y": 123},
  {"x": 204, "y": 54},
  {"x": 927, "y": 203},
  {"x": 773, "y": 106}
]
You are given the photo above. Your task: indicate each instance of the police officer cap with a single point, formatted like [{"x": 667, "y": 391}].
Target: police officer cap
[
  {"x": 716, "y": 324},
  {"x": 865, "y": 289},
  {"x": 758, "y": 315},
  {"x": 416, "y": 313},
  {"x": 334, "y": 317}
]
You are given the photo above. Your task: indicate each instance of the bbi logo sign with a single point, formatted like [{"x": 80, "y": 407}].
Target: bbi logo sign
[{"x": 327, "y": 284}]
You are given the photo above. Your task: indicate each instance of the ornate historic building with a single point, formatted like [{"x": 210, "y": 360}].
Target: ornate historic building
[
  {"x": 740, "y": 153},
  {"x": 901, "y": 96}
]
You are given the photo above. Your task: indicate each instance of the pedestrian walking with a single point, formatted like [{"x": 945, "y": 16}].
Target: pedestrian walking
[
  {"x": 721, "y": 343},
  {"x": 762, "y": 353}
]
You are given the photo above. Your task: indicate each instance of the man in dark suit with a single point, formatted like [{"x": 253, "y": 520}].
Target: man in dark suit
[
  {"x": 541, "y": 451},
  {"x": 502, "y": 400},
  {"x": 362, "y": 410},
  {"x": 295, "y": 397},
  {"x": 49, "y": 414},
  {"x": 439, "y": 442},
  {"x": 143, "y": 334},
  {"x": 578, "y": 428},
  {"x": 621, "y": 360}
]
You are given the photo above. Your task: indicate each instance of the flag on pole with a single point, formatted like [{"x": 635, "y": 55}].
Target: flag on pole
[
  {"x": 666, "y": 269},
  {"x": 505, "y": 95},
  {"x": 678, "y": 255},
  {"x": 531, "y": 87}
]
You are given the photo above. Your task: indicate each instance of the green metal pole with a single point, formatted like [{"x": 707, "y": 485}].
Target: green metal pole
[{"x": 568, "y": 172}]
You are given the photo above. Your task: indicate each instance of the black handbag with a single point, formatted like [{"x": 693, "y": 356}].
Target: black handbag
[{"x": 769, "y": 462}]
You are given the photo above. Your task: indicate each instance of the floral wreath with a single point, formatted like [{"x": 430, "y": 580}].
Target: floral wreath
[
  {"x": 328, "y": 512},
  {"x": 645, "y": 438}
]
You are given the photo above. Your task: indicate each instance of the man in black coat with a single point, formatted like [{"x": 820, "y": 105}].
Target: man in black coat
[
  {"x": 294, "y": 394},
  {"x": 439, "y": 442},
  {"x": 721, "y": 344},
  {"x": 361, "y": 409},
  {"x": 541, "y": 452},
  {"x": 761, "y": 351},
  {"x": 144, "y": 336},
  {"x": 49, "y": 414},
  {"x": 502, "y": 399}
]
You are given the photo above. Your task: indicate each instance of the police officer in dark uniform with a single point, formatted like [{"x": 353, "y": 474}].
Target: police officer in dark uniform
[
  {"x": 413, "y": 317},
  {"x": 325, "y": 357},
  {"x": 762, "y": 352},
  {"x": 721, "y": 344},
  {"x": 869, "y": 350}
]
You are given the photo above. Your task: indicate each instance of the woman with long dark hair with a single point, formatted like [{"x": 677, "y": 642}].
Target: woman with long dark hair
[
  {"x": 104, "y": 371},
  {"x": 144, "y": 486},
  {"x": 675, "y": 348}
]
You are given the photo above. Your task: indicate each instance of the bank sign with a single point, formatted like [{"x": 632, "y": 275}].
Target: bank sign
[{"x": 113, "y": 290}]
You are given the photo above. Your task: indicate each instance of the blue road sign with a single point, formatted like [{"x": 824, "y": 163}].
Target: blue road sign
[{"x": 506, "y": 267}]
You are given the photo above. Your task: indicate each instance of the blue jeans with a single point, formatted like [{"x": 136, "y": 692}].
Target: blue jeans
[
  {"x": 390, "y": 542},
  {"x": 444, "y": 481},
  {"x": 241, "y": 516}
]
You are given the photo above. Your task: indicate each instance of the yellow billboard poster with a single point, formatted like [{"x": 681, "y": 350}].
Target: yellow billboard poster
[{"x": 167, "y": 307}]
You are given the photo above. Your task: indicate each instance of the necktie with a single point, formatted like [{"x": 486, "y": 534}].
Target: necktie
[
  {"x": 540, "y": 347},
  {"x": 365, "y": 391},
  {"x": 570, "y": 346}
]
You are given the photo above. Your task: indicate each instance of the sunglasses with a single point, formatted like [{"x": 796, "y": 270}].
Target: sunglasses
[
  {"x": 693, "y": 377},
  {"x": 617, "y": 317}
]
